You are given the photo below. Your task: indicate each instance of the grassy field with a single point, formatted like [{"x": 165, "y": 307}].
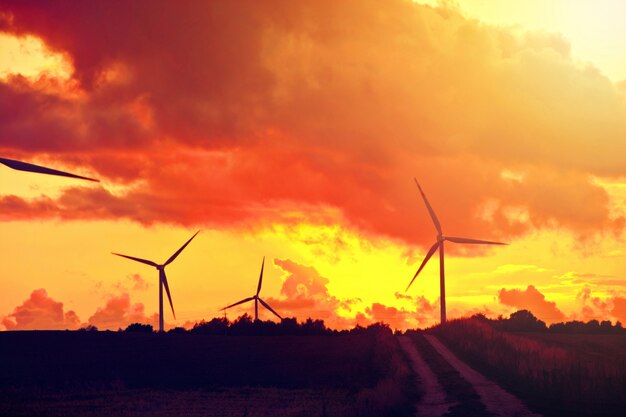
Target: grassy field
[
  {"x": 556, "y": 374},
  {"x": 115, "y": 373},
  {"x": 598, "y": 346},
  {"x": 227, "y": 402}
]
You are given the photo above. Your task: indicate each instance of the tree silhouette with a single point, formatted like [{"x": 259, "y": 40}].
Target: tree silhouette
[{"x": 139, "y": 328}]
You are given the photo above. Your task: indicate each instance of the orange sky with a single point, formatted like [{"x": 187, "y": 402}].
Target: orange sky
[{"x": 292, "y": 130}]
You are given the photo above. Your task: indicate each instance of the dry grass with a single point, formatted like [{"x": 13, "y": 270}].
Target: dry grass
[
  {"x": 553, "y": 373},
  {"x": 231, "y": 402}
]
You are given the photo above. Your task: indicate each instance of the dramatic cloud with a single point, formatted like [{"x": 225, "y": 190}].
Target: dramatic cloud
[
  {"x": 41, "y": 312},
  {"x": 531, "y": 299},
  {"x": 619, "y": 309},
  {"x": 396, "y": 318},
  {"x": 593, "y": 307},
  {"x": 304, "y": 294},
  {"x": 259, "y": 112},
  {"x": 118, "y": 312}
]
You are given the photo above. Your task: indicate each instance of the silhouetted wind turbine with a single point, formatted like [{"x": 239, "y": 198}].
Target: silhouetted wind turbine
[
  {"x": 256, "y": 298},
  {"x": 162, "y": 277},
  {"x": 439, "y": 245},
  {"x": 24, "y": 166}
]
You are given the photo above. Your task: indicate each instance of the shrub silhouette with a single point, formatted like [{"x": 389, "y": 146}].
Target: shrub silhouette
[
  {"x": 246, "y": 326},
  {"x": 524, "y": 321},
  {"x": 139, "y": 328},
  {"x": 88, "y": 328}
]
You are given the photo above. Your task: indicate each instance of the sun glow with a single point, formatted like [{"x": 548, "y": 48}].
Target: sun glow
[{"x": 30, "y": 57}]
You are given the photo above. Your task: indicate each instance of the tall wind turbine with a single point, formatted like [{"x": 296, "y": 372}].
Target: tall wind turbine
[
  {"x": 256, "y": 299},
  {"x": 24, "y": 166},
  {"x": 162, "y": 277},
  {"x": 441, "y": 238}
]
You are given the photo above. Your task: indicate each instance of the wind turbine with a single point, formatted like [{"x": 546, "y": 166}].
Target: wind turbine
[
  {"x": 441, "y": 238},
  {"x": 24, "y": 166},
  {"x": 162, "y": 277},
  {"x": 256, "y": 299}
]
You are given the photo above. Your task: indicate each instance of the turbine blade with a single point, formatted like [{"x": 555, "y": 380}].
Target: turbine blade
[
  {"x": 167, "y": 289},
  {"x": 24, "y": 166},
  {"x": 270, "y": 308},
  {"x": 258, "y": 289},
  {"x": 432, "y": 250},
  {"x": 472, "y": 241},
  {"x": 143, "y": 261},
  {"x": 433, "y": 216},
  {"x": 245, "y": 300},
  {"x": 179, "y": 250}
]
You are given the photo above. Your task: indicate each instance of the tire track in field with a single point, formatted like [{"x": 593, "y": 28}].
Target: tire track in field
[
  {"x": 433, "y": 402},
  {"x": 497, "y": 401}
]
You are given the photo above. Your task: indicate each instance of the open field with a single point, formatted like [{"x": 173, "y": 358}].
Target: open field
[
  {"x": 116, "y": 373},
  {"x": 556, "y": 374},
  {"x": 599, "y": 346},
  {"x": 227, "y": 402}
]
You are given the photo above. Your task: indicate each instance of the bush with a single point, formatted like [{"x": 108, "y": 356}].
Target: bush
[{"x": 139, "y": 328}]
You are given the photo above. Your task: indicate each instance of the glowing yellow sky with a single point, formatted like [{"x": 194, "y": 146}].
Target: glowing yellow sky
[{"x": 29, "y": 56}]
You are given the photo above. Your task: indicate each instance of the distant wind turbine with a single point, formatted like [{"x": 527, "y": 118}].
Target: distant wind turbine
[
  {"x": 162, "y": 277},
  {"x": 24, "y": 166},
  {"x": 439, "y": 245},
  {"x": 256, "y": 298}
]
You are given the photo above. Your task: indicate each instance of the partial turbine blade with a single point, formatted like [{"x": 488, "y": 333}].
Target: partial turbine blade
[
  {"x": 430, "y": 209},
  {"x": 24, "y": 166},
  {"x": 472, "y": 241},
  {"x": 258, "y": 289},
  {"x": 143, "y": 261},
  {"x": 245, "y": 300},
  {"x": 270, "y": 308},
  {"x": 179, "y": 250},
  {"x": 163, "y": 279},
  {"x": 432, "y": 250}
]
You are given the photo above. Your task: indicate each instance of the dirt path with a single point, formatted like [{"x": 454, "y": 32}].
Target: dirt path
[
  {"x": 433, "y": 402},
  {"x": 497, "y": 401}
]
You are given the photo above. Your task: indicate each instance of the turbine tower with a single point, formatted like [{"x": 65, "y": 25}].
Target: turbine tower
[
  {"x": 256, "y": 299},
  {"x": 24, "y": 166},
  {"x": 441, "y": 238},
  {"x": 162, "y": 277}
]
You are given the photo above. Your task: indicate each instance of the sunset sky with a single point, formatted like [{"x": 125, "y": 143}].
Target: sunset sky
[{"x": 293, "y": 130}]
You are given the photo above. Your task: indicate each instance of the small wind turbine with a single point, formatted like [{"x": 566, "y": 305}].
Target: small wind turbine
[
  {"x": 24, "y": 166},
  {"x": 162, "y": 277},
  {"x": 439, "y": 245},
  {"x": 256, "y": 299}
]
